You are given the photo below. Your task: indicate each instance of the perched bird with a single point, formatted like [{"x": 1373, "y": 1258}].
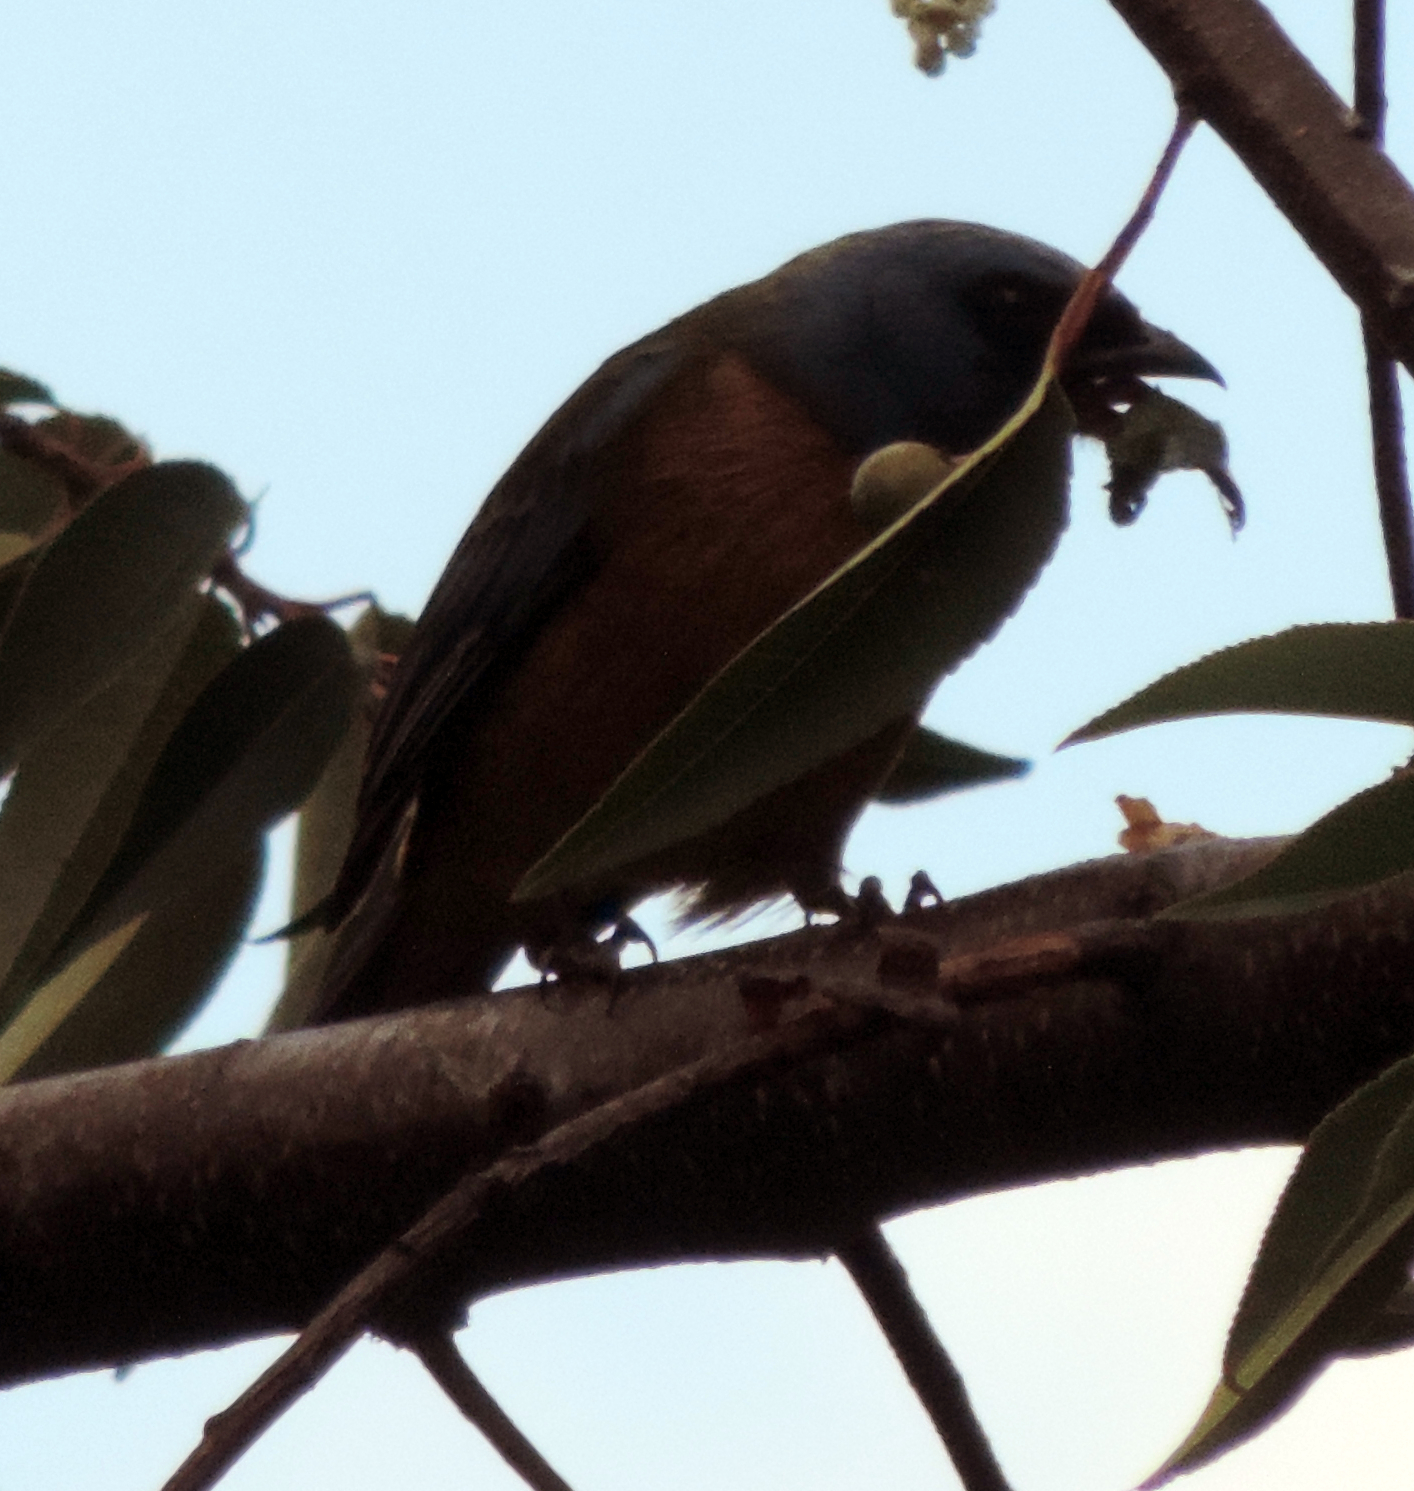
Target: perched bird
[{"x": 694, "y": 488}]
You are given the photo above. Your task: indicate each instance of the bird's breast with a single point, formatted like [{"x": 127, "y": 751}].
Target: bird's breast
[{"x": 726, "y": 506}]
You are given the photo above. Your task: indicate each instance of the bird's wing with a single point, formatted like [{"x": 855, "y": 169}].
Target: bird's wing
[{"x": 515, "y": 561}]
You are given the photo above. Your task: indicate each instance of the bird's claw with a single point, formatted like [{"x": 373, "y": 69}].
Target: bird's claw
[
  {"x": 582, "y": 955},
  {"x": 625, "y": 931},
  {"x": 869, "y": 909},
  {"x": 921, "y": 892}
]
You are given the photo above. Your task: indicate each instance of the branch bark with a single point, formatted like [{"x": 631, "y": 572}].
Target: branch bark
[
  {"x": 194, "y": 1201},
  {"x": 1232, "y": 65}
]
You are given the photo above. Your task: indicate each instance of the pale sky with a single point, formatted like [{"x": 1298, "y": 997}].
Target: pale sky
[{"x": 355, "y": 254}]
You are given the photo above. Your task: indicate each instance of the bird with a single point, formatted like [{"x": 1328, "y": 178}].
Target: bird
[{"x": 694, "y": 488}]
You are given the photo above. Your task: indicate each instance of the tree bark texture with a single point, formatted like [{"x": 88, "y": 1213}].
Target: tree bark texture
[{"x": 1045, "y": 1029}]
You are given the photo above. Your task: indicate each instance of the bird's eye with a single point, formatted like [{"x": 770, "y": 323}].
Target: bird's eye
[
  {"x": 1013, "y": 308},
  {"x": 1011, "y": 293}
]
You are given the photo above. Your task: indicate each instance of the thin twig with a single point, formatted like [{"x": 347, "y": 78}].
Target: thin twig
[
  {"x": 258, "y": 603},
  {"x": 1391, "y": 471},
  {"x": 1381, "y": 372},
  {"x": 880, "y": 1278},
  {"x": 1231, "y": 61},
  {"x": 1077, "y": 313},
  {"x": 1370, "y": 100},
  {"x": 443, "y": 1229},
  {"x": 438, "y": 1352}
]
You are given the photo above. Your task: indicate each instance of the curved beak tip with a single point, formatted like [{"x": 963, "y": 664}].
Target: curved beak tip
[
  {"x": 1163, "y": 355},
  {"x": 1159, "y": 355}
]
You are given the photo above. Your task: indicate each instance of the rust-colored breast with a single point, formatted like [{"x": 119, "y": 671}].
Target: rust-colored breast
[{"x": 728, "y": 505}]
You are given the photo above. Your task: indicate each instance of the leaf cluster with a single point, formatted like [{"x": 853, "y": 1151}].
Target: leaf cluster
[
  {"x": 1332, "y": 1271},
  {"x": 149, "y": 739}
]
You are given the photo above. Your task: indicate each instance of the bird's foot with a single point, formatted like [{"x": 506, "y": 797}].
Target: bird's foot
[
  {"x": 863, "y": 912},
  {"x": 585, "y": 955},
  {"x": 871, "y": 905},
  {"x": 625, "y": 931},
  {"x": 869, "y": 909},
  {"x": 921, "y": 892}
]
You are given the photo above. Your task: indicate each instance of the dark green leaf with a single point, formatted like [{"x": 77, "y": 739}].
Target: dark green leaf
[
  {"x": 932, "y": 764},
  {"x": 72, "y": 799},
  {"x": 55, "y": 999},
  {"x": 1391, "y": 1328},
  {"x": 104, "y": 589},
  {"x": 863, "y": 649},
  {"x": 1362, "y": 671},
  {"x": 30, "y": 496},
  {"x": 93, "y": 438},
  {"x": 1335, "y": 1253},
  {"x": 160, "y": 978},
  {"x": 15, "y": 388},
  {"x": 1368, "y": 838},
  {"x": 326, "y": 821},
  {"x": 249, "y": 750}
]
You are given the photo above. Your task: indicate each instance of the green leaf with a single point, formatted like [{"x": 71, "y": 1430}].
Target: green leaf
[
  {"x": 1335, "y": 1252},
  {"x": 14, "y": 546},
  {"x": 99, "y": 594},
  {"x": 932, "y": 765},
  {"x": 30, "y": 496},
  {"x": 15, "y": 388},
  {"x": 1362, "y": 671},
  {"x": 93, "y": 438},
  {"x": 161, "y": 976},
  {"x": 249, "y": 750},
  {"x": 326, "y": 822},
  {"x": 863, "y": 649},
  {"x": 50, "y": 1004},
  {"x": 72, "y": 799},
  {"x": 1368, "y": 838}
]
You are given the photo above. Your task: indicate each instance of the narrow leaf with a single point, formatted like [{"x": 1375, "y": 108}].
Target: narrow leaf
[
  {"x": 15, "y": 388},
  {"x": 72, "y": 799},
  {"x": 249, "y": 751},
  {"x": 95, "y": 439},
  {"x": 932, "y": 765},
  {"x": 1362, "y": 671},
  {"x": 104, "y": 589},
  {"x": 326, "y": 821},
  {"x": 53, "y": 1001},
  {"x": 1368, "y": 838},
  {"x": 30, "y": 496},
  {"x": 161, "y": 977},
  {"x": 1336, "y": 1250},
  {"x": 864, "y": 648}
]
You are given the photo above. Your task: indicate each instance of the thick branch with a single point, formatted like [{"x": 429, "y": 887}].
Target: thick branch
[
  {"x": 1234, "y": 66},
  {"x": 197, "y": 1200}
]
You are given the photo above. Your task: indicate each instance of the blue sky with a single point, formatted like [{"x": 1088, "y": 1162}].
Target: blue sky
[{"x": 355, "y": 254}]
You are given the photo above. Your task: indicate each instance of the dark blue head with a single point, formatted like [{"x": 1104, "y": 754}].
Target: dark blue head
[{"x": 930, "y": 331}]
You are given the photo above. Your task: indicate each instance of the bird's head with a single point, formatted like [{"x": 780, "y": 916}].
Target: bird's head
[{"x": 935, "y": 331}]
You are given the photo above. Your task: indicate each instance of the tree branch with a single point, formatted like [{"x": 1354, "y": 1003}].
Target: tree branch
[
  {"x": 1381, "y": 374},
  {"x": 1045, "y": 1029},
  {"x": 1234, "y": 66}
]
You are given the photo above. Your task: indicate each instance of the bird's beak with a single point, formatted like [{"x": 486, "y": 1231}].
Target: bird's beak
[{"x": 1159, "y": 354}]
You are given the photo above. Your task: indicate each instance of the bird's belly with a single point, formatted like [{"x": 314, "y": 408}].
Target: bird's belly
[{"x": 730, "y": 507}]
